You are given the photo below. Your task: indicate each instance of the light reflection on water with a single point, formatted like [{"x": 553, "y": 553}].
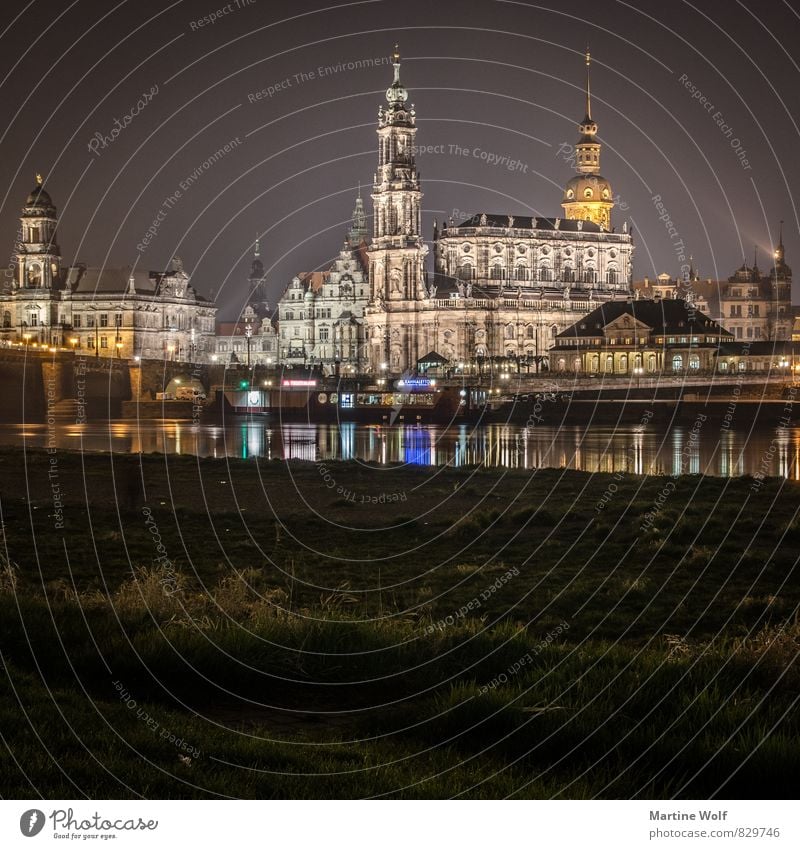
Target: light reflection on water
[{"x": 594, "y": 448}]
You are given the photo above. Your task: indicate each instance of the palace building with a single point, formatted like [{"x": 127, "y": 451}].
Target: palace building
[
  {"x": 503, "y": 285},
  {"x": 107, "y": 312}
]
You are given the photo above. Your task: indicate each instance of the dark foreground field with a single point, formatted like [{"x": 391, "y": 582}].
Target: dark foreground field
[{"x": 243, "y": 628}]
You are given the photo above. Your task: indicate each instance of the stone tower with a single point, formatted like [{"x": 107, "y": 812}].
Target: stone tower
[
  {"x": 396, "y": 254},
  {"x": 38, "y": 254}
]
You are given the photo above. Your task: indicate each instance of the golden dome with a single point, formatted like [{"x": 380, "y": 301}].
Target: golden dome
[{"x": 588, "y": 187}]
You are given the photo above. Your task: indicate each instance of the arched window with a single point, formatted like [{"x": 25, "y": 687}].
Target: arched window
[
  {"x": 521, "y": 272},
  {"x": 554, "y": 331},
  {"x": 544, "y": 274},
  {"x": 694, "y": 361},
  {"x": 509, "y": 331},
  {"x": 611, "y": 277},
  {"x": 466, "y": 272},
  {"x": 569, "y": 274},
  {"x": 651, "y": 363},
  {"x": 610, "y": 364},
  {"x": 677, "y": 363},
  {"x": 6, "y": 319},
  {"x": 576, "y": 364},
  {"x": 590, "y": 276},
  {"x": 595, "y": 364},
  {"x": 497, "y": 272},
  {"x": 623, "y": 364},
  {"x": 530, "y": 332}
]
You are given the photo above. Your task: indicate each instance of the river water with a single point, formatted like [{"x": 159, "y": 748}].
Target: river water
[{"x": 641, "y": 450}]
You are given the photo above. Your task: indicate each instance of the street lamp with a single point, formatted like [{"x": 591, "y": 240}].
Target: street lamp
[
  {"x": 638, "y": 371},
  {"x": 74, "y": 342}
]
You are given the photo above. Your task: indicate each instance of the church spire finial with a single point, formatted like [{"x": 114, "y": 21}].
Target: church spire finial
[
  {"x": 39, "y": 179},
  {"x": 396, "y": 94},
  {"x": 257, "y": 252},
  {"x": 588, "y": 91},
  {"x": 396, "y": 63}
]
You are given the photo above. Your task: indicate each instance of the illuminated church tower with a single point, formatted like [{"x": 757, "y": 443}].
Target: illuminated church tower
[
  {"x": 396, "y": 253},
  {"x": 587, "y": 196}
]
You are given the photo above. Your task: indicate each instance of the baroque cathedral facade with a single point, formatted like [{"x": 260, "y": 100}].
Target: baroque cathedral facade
[
  {"x": 502, "y": 287},
  {"x": 101, "y": 312}
]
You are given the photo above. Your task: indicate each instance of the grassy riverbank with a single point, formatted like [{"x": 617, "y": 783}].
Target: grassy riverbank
[{"x": 236, "y": 628}]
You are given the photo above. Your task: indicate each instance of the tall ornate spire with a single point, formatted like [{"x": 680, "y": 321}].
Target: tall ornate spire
[
  {"x": 396, "y": 96},
  {"x": 587, "y": 150},
  {"x": 781, "y": 271},
  {"x": 588, "y": 92},
  {"x": 358, "y": 231},
  {"x": 256, "y": 278},
  {"x": 588, "y": 197},
  {"x": 396, "y": 249}
]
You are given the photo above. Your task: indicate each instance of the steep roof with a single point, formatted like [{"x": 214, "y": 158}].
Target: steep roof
[
  {"x": 313, "y": 280},
  {"x": 663, "y": 316}
]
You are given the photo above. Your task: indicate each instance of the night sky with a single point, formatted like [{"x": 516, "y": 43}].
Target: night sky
[{"x": 505, "y": 78}]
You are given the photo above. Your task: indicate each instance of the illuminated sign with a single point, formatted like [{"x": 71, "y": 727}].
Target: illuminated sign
[
  {"x": 253, "y": 399},
  {"x": 299, "y": 384},
  {"x": 416, "y": 383}
]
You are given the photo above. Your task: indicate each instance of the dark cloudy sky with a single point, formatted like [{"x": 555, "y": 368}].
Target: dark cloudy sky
[{"x": 501, "y": 77}]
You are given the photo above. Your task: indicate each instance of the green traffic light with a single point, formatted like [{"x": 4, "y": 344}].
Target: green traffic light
[{"x": 243, "y": 384}]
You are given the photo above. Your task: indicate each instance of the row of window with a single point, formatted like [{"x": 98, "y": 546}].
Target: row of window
[
  {"x": 752, "y": 333},
  {"x": 238, "y": 346},
  {"x": 546, "y": 274}
]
